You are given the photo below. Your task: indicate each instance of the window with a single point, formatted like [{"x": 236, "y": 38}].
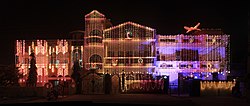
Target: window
[
  {"x": 95, "y": 33},
  {"x": 196, "y": 41},
  {"x": 190, "y": 66},
  {"x": 183, "y": 66},
  {"x": 158, "y": 58},
  {"x": 178, "y": 55},
  {"x": 169, "y": 65},
  {"x": 164, "y": 65},
  {"x": 120, "y": 53},
  {"x": 95, "y": 59},
  {"x": 168, "y": 40},
  {"x": 94, "y": 40},
  {"x": 129, "y": 53},
  {"x": 189, "y": 55},
  {"x": 203, "y": 66},
  {"x": 111, "y": 53},
  {"x": 107, "y": 35},
  {"x": 146, "y": 53},
  {"x": 209, "y": 40},
  {"x": 127, "y": 62},
  {"x": 157, "y": 52},
  {"x": 108, "y": 61},
  {"x": 162, "y": 58},
  {"x": 148, "y": 61},
  {"x": 120, "y": 61},
  {"x": 218, "y": 40},
  {"x": 185, "y": 41},
  {"x": 53, "y": 58},
  {"x": 136, "y": 54}
]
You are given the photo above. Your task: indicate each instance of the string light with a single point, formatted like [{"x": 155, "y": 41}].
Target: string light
[{"x": 130, "y": 47}]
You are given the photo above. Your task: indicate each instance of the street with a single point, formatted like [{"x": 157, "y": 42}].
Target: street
[{"x": 141, "y": 99}]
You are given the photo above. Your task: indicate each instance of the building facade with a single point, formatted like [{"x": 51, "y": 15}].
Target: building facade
[{"x": 128, "y": 48}]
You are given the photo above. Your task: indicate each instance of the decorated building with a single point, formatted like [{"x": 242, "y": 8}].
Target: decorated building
[{"x": 130, "y": 49}]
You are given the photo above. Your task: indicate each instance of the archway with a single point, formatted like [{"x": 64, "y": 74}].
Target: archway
[{"x": 95, "y": 59}]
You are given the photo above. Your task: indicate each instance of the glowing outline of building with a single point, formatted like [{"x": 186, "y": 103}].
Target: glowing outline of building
[{"x": 128, "y": 48}]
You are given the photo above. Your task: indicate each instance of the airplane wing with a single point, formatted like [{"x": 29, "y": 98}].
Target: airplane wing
[
  {"x": 188, "y": 31},
  {"x": 198, "y": 29},
  {"x": 196, "y": 26},
  {"x": 187, "y": 28}
]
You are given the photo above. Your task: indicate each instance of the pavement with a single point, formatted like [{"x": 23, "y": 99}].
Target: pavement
[{"x": 135, "y": 99}]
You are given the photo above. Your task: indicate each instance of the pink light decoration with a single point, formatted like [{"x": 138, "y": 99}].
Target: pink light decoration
[
  {"x": 60, "y": 71},
  {"x": 41, "y": 47},
  {"x": 94, "y": 45},
  {"x": 93, "y": 37},
  {"x": 23, "y": 46},
  {"x": 52, "y": 69},
  {"x": 129, "y": 22},
  {"x": 129, "y": 67},
  {"x": 18, "y": 47},
  {"x": 133, "y": 40},
  {"x": 94, "y": 11}
]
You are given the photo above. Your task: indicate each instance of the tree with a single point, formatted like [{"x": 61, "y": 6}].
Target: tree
[
  {"x": 32, "y": 78},
  {"x": 9, "y": 76},
  {"x": 76, "y": 76}
]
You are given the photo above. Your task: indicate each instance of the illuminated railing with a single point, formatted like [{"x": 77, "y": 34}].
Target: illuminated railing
[
  {"x": 93, "y": 65},
  {"x": 124, "y": 40},
  {"x": 129, "y": 57},
  {"x": 216, "y": 87},
  {"x": 94, "y": 45},
  {"x": 93, "y": 37},
  {"x": 129, "y": 66}
]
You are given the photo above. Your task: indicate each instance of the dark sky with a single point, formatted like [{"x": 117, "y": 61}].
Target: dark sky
[{"x": 52, "y": 19}]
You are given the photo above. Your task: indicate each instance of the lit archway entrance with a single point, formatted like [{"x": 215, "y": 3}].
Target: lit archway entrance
[{"x": 96, "y": 61}]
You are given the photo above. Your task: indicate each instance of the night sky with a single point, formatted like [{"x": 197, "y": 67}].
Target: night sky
[{"x": 53, "y": 19}]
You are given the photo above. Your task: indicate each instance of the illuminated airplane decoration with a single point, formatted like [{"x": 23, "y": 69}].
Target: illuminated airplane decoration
[{"x": 192, "y": 28}]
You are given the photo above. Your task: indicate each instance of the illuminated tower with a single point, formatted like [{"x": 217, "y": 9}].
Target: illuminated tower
[{"x": 95, "y": 23}]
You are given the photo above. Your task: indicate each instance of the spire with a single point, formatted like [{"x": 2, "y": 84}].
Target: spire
[{"x": 94, "y": 14}]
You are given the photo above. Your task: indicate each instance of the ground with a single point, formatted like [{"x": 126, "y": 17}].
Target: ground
[{"x": 136, "y": 99}]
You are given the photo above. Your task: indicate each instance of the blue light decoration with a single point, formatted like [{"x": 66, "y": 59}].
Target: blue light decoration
[{"x": 193, "y": 56}]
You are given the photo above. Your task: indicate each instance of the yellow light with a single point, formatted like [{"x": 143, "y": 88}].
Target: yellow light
[
  {"x": 29, "y": 50},
  {"x": 49, "y": 50},
  {"x": 52, "y": 69},
  {"x": 212, "y": 85},
  {"x": 72, "y": 48}
]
